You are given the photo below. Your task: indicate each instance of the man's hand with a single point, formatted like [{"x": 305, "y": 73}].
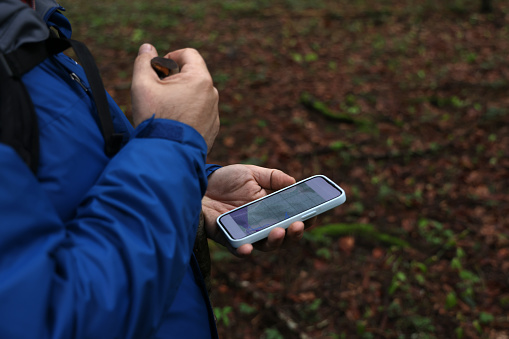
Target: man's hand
[
  {"x": 233, "y": 186},
  {"x": 188, "y": 97}
]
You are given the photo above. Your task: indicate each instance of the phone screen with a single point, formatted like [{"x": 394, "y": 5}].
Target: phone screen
[{"x": 280, "y": 206}]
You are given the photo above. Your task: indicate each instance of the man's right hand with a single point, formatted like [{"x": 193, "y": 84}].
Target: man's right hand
[{"x": 189, "y": 96}]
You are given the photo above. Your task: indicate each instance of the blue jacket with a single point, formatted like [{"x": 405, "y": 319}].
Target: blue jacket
[{"x": 98, "y": 247}]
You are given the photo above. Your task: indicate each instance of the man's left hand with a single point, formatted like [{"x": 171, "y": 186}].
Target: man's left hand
[{"x": 235, "y": 185}]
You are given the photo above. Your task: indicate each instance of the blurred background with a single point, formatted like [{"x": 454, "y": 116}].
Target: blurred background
[{"x": 403, "y": 103}]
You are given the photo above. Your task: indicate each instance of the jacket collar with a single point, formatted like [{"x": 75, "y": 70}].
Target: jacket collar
[
  {"x": 30, "y": 3},
  {"x": 19, "y": 24},
  {"x": 45, "y": 8}
]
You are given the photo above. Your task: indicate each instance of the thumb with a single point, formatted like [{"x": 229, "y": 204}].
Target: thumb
[
  {"x": 143, "y": 76},
  {"x": 146, "y": 48},
  {"x": 271, "y": 179},
  {"x": 279, "y": 180},
  {"x": 142, "y": 62}
]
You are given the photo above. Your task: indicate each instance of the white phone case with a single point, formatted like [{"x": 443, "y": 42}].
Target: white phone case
[{"x": 252, "y": 238}]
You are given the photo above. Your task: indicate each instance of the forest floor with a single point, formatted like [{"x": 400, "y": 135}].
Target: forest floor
[{"x": 403, "y": 103}]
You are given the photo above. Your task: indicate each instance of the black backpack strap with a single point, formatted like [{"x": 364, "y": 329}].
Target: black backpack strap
[
  {"x": 112, "y": 139},
  {"x": 29, "y": 55},
  {"x": 18, "y": 122}
]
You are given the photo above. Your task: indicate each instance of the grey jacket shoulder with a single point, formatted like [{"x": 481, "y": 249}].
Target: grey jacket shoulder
[
  {"x": 44, "y": 6},
  {"x": 20, "y": 24}
]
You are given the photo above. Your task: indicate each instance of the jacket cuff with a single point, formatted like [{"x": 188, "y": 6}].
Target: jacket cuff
[
  {"x": 211, "y": 168},
  {"x": 170, "y": 130}
]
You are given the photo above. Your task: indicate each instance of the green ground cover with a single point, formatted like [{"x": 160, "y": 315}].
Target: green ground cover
[{"x": 403, "y": 103}]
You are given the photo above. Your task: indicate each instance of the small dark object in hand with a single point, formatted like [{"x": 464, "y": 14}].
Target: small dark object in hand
[{"x": 164, "y": 67}]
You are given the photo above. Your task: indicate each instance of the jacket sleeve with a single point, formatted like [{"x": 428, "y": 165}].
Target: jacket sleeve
[
  {"x": 113, "y": 270},
  {"x": 211, "y": 168}
]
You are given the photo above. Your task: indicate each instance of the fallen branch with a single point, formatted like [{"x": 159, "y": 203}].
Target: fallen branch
[
  {"x": 362, "y": 230},
  {"x": 318, "y": 106},
  {"x": 356, "y": 155}
]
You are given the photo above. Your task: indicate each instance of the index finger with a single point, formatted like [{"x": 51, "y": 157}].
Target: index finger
[{"x": 187, "y": 59}]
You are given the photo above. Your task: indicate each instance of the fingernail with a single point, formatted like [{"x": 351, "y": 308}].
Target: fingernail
[{"x": 145, "y": 48}]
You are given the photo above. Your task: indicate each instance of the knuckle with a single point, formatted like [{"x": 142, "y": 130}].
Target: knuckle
[
  {"x": 142, "y": 59},
  {"x": 205, "y": 81},
  {"x": 190, "y": 50},
  {"x": 215, "y": 94}
]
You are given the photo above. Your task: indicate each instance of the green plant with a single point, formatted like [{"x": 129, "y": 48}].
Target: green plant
[
  {"x": 460, "y": 332},
  {"x": 361, "y": 327},
  {"x": 420, "y": 269},
  {"x": 494, "y": 113},
  {"x": 339, "y": 145},
  {"x": 486, "y": 318},
  {"x": 378, "y": 42},
  {"x": 477, "y": 326},
  {"x": 242, "y": 7},
  {"x": 261, "y": 123},
  {"x": 297, "y": 57},
  {"x": 138, "y": 35},
  {"x": 324, "y": 253},
  {"x": 422, "y": 324},
  {"x": 451, "y": 300},
  {"x": 259, "y": 140},
  {"x": 504, "y": 301},
  {"x": 310, "y": 57},
  {"x": 315, "y": 305},
  {"x": 272, "y": 333},
  {"x": 223, "y": 315},
  {"x": 247, "y": 309},
  {"x": 399, "y": 280},
  {"x": 394, "y": 309},
  {"x": 435, "y": 233}
]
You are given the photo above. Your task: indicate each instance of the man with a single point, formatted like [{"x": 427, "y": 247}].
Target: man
[{"x": 98, "y": 246}]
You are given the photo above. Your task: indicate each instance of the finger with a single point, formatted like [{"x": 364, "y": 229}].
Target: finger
[
  {"x": 244, "y": 250},
  {"x": 142, "y": 65},
  {"x": 188, "y": 59},
  {"x": 295, "y": 231},
  {"x": 273, "y": 241},
  {"x": 241, "y": 252},
  {"x": 272, "y": 179},
  {"x": 275, "y": 238}
]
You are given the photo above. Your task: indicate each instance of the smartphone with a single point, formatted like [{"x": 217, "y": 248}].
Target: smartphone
[{"x": 254, "y": 221}]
